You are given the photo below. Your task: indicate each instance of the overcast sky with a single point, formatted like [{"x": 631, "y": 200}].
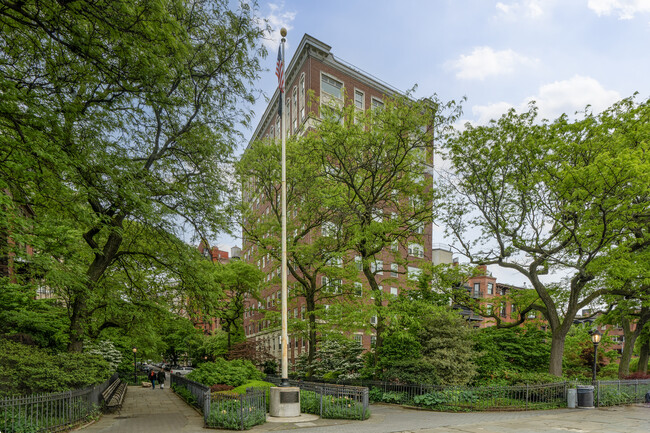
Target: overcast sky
[{"x": 564, "y": 54}]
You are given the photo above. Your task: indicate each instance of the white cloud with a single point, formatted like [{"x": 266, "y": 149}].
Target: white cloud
[
  {"x": 277, "y": 18},
  {"x": 484, "y": 62},
  {"x": 626, "y": 9},
  {"x": 565, "y": 96},
  {"x": 522, "y": 9}
]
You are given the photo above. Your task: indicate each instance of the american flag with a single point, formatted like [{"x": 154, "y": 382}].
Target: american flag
[{"x": 279, "y": 70}]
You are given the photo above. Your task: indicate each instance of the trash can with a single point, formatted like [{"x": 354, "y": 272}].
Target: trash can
[
  {"x": 571, "y": 398},
  {"x": 585, "y": 396}
]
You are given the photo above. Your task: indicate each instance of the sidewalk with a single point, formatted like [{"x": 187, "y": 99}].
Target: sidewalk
[
  {"x": 146, "y": 410},
  {"x": 161, "y": 411}
]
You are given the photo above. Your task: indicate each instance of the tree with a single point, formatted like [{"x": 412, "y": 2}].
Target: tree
[
  {"x": 547, "y": 197},
  {"x": 376, "y": 166},
  {"x": 238, "y": 281},
  {"x": 311, "y": 252},
  {"x": 131, "y": 117}
]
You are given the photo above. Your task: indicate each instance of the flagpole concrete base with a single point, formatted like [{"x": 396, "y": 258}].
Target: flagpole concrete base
[{"x": 284, "y": 401}]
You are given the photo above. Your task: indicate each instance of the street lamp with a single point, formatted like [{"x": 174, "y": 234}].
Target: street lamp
[
  {"x": 135, "y": 366},
  {"x": 595, "y": 338}
]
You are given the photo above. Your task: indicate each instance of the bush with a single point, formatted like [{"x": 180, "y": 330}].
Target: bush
[
  {"x": 184, "y": 393},
  {"x": 446, "y": 399},
  {"x": 333, "y": 407},
  {"x": 28, "y": 369},
  {"x": 233, "y": 373}
]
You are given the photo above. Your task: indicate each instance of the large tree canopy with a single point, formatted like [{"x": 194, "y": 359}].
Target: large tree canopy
[
  {"x": 551, "y": 197},
  {"x": 116, "y": 120}
]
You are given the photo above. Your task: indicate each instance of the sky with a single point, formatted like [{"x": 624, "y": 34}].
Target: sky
[{"x": 563, "y": 54}]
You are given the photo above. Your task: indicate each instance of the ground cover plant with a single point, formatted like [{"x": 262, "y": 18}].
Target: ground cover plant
[{"x": 333, "y": 407}]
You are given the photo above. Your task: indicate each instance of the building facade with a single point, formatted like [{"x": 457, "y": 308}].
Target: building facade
[{"x": 316, "y": 78}]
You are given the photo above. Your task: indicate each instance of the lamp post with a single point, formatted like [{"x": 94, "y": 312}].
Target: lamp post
[
  {"x": 595, "y": 338},
  {"x": 135, "y": 366}
]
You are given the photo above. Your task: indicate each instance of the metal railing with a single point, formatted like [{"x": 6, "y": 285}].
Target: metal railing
[
  {"x": 331, "y": 400},
  {"x": 237, "y": 411},
  {"x": 52, "y": 411},
  {"x": 200, "y": 394},
  {"x": 619, "y": 392},
  {"x": 480, "y": 398}
]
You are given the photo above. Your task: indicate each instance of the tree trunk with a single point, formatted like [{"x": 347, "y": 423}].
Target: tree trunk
[
  {"x": 77, "y": 321},
  {"x": 311, "y": 353},
  {"x": 379, "y": 328},
  {"x": 628, "y": 348},
  {"x": 644, "y": 355},
  {"x": 557, "y": 352}
]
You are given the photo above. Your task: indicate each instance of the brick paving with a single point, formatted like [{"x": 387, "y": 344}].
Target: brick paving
[{"x": 161, "y": 411}]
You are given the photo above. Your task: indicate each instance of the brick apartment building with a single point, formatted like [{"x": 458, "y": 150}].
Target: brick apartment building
[{"x": 315, "y": 70}]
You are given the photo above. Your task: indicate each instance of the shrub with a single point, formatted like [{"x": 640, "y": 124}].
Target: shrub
[
  {"x": 233, "y": 373},
  {"x": 184, "y": 393},
  {"x": 28, "y": 369}
]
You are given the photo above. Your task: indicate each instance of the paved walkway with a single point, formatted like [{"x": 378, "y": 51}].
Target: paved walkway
[{"x": 161, "y": 411}]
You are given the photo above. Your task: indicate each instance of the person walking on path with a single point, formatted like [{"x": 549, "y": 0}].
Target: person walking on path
[
  {"x": 161, "y": 379},
  {"x": 152, "y": 378}
]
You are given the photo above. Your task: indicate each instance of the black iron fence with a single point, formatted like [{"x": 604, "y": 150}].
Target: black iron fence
[
  {"x": 237, "y": 411},
  {"x": 521, "y": 397},
  {"x": 619, "y": 392},
  {"x": 331, "y": 400},
  {"x": 50, "y": 412},
  {"x": 221, "y": 410},
  {"x": 195, "y": 393}
]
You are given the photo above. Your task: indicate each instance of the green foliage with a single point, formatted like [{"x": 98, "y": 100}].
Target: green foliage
[
  {"x": 184, "y": 393},
  {"x": 333, "y": 407},
  {"x": 335, "y": 359},
  {"x": 446, "y": 399},
  {"x": 230, "y": 413},
  {"x": 234, "y": 373},
  {"x": 446, "y": 344},
  {"x": 27, "y": 369},
  {"x": 508, "y": 350},
  {"x": 132, "y": 106}
]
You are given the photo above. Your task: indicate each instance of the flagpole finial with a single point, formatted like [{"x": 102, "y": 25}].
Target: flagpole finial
[{"x": 283, "y": 32}]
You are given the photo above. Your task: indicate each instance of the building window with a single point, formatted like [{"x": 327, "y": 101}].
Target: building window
[
  {"x": 358, "y": 338},
  {"x": 331, "y": 86},
  {"x": 416, "y": 250},
  {"x": 377, "y": 104},
  {"x": 359, "y": 263},
  {"x": 328, "y": 229},
  {"x": 414, "y": 273},
  {"x": 394, "y": 269},
  {"x": 394, "y": 246},
  {"x": 377, "y": 267},
  {"x": 358, "y": 289},
  {"x": 477, "y": 290},
  {"x": 503, "y": 310},
  {"x": 373, "y": 320},
  {"x": 393, "y": 291},
  {"x": 359, "y": 99},
  {"x": 490, "y": 289},
  {"x": 488, "y": 309},
  {"x": 302, "y": 84},
  {"x": 373, "y": 340},
  {"x": 302, "y": 312}
]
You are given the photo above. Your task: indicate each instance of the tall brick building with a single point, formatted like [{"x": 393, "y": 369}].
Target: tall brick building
[{"x": 315, "y": 74}]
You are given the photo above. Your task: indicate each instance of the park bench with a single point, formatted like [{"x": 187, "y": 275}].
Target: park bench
[{"x": 114, "y": 395}]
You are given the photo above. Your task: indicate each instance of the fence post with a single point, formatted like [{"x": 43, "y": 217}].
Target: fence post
[
  {"x": 526, "y": 396},
  {"x": 320, "y": 388},
  {"x": 206, "y": 406}
]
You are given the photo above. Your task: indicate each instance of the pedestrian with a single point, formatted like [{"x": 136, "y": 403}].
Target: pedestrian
[
  {"x": 161, "y": 379},
  {"x": 152, "y": 378}
]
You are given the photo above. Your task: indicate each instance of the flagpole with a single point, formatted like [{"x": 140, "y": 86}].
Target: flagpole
[{"x": 285, "y": 345}]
